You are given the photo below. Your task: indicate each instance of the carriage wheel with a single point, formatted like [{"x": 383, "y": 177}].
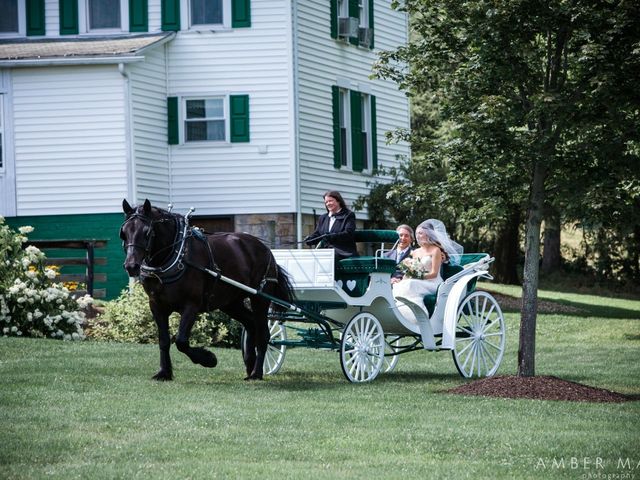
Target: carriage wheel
[
  {"x": 390, "y": 345},
  {"x": 274, "y": 357},
  {"x": 480, "y": 336},
  {"x": 362, "y": 348}
]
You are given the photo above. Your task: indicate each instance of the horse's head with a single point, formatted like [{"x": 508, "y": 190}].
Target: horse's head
[{"x": 137, "y": 234}]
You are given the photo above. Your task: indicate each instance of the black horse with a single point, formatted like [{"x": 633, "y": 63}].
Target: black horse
[{"x": 174, "y": 262}]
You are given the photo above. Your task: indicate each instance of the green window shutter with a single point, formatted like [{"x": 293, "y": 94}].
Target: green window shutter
[
  {"x": 335, "y": 102},
  {"x": 371, "y": 23},
  {"x": 240, "y": 13},
  {"x": 173, "y": 131},
  {"x": 68, "y": 17},
  {"x": 333, "y": 11},
  {"x": 138, "y": 16},
  {"x": 35, "y": 17},
  {"x": 356, "y": 130},
  {"x": 239, "y": 108},
  {"x": 354, "y": 12},
  {"x": 170, "y": 15},
  {"x": 374, "y": 136}
]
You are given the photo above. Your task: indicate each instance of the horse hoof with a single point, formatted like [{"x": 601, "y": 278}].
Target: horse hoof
[
  {"x": 253, "y": 377},
  {"x": 209, "y": 361},
  {"x": 163, "y": 376}
]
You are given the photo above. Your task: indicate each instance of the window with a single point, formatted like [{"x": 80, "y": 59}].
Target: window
[
  {"x": 365, "y": 111},
  {"x": 103, "y": 14},
  {"x": 209, "y": 119},
  {"x": 345, "y": 138},
  {"x": 354, "y": 130},
  {"x": 206, "y": 12},
  {"x": 352, "y": 21},
  {"x": 9, "y": 20},
  {"x": 205, "y": 120},
  {"x": 343, "y": 8}
]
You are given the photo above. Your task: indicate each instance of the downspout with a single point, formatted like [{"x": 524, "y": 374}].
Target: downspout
[
  {"x": 296, "y": 104},
  {"x": 131, "y": 167}
]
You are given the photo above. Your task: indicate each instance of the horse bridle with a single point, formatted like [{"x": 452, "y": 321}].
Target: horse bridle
[{"x": 149, "y": 222}]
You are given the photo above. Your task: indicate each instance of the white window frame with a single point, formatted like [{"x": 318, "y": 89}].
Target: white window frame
[
  {"x": 345, "y": 122},
  {"x": 185, "y": 17},
  {"x": 365, "y": 109},
  {"x": 183, "y": 119},
  {"x": 363, "y": 11},
  {"x": 84, "y": 26},
  {"x": 343, "y": 8},
  {"x": 22, "y": 22}
]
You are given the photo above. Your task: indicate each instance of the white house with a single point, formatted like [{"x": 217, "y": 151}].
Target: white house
[{"x": 247, "y": 110}]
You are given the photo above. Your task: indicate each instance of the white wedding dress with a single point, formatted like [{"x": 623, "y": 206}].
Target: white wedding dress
[{"x": 414, "y": 290}]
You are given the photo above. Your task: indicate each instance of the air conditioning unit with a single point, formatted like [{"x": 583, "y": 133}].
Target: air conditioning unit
[
  {"x": 348, "y": 27},
  {"x": 365, "y": 36}
]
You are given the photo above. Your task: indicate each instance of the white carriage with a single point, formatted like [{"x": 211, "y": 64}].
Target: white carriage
[{"x": 354, "y": 311}]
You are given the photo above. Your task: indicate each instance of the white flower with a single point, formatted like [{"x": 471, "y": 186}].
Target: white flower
[
  {"x": 25, "y": 229},
  {"x": 50, "y": 273},
  {"x": 5, "y": 330},
  {"x": 14, "y": 329}
]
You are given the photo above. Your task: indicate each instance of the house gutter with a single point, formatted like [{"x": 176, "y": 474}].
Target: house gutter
[
  {"x": 296, "y": 142},
  {"x": 48, "y": 62}
]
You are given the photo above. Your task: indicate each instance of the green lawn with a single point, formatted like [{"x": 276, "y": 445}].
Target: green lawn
[{"x": 89, "y": 410}]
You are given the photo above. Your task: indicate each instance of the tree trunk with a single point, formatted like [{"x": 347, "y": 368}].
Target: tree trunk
[
  {"x": 507, "y": 250},
  {"x": 527, "y": 346},
  {"x": 551, "y": 257}
]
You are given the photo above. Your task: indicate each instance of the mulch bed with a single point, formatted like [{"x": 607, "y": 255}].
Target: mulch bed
[
  {"x": 539, "y": 388},
  {"x": 510, "y": 303}
]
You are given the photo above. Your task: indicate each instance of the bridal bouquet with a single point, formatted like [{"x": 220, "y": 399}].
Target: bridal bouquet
[{"x": 412, "y": 268}]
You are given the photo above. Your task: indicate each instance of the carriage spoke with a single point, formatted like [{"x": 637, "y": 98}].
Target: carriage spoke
[{"x": 362, "y": 348}]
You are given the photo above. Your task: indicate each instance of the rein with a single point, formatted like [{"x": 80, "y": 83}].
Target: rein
[{"x": 174, "y": 267}]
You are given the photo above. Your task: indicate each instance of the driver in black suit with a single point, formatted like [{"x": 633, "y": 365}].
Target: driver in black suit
[{"x": 336, "y": 227}]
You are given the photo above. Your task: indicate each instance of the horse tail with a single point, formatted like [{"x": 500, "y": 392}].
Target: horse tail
[{"x": 284, "y": 288}]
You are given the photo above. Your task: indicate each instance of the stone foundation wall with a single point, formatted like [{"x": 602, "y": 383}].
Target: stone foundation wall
[{"x": 277, "y": 230}]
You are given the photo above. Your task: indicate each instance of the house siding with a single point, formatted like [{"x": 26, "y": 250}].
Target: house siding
[
  {"x": 324, "y": 62},
  {"x": 69, "y": 140},
  {"x": 238, "y": 178},
  {"x": 148, "y": 90}
]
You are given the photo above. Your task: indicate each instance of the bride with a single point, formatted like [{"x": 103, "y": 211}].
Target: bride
[{"x": 422, "y": 268}]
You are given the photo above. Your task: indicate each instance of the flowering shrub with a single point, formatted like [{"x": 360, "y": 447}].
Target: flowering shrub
[
  {"x": 128, "y": 319},
  {"x": 31, "y": 302}
]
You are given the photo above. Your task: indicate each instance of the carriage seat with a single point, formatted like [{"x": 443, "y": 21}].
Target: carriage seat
[
  {"x": 354, "y": 273},
  {"x": 448, "y": 271}
]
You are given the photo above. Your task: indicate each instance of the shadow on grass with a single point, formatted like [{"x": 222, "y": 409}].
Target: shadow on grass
[
  {"x": 301, "y": 381},
  {"x": 575, "y": 309}
]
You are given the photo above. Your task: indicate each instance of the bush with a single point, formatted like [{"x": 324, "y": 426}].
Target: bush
[
  {"x": 32, "y": 304},
  {"x": 128, "y": 319}
]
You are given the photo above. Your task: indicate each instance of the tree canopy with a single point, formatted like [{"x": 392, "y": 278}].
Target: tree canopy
[{"x": 530, "y": 103}]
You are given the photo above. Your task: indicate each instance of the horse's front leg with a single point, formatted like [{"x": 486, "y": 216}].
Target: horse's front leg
[
  {"x": 164, "y": 341},
  {"x": 198, "y": 355}
]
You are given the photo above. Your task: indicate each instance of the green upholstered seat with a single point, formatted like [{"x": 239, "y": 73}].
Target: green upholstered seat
[
  {"x": 355, "y": 272},
  {"x": 378, "y": 236}
]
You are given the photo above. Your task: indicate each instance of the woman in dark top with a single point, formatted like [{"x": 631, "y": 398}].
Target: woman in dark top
[{"x": 335, "y": 228}]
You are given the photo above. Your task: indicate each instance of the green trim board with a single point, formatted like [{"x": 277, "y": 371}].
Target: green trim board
[{"x": 90, "y": 226}]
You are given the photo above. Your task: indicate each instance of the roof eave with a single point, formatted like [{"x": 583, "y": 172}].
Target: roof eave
[{"x": 47, "y": 62}]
